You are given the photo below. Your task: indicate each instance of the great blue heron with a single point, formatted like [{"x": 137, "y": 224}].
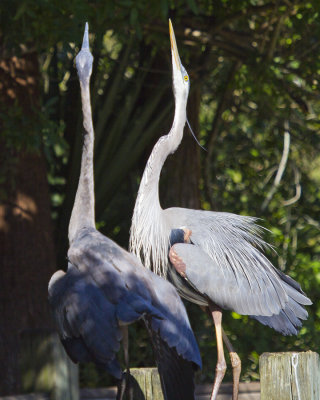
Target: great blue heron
[
  {"x": 216, "y": 258},
  {"x": 106, "y": 288}
]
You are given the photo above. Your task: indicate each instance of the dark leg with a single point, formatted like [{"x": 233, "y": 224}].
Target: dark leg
[
  {"x": 121, "y": 387},
  {"x": 125, "y": 345},
  {"x": 236, "y": 365},
  {"x": 221, "y": 363},
  {"x": 125, "y": 388}
]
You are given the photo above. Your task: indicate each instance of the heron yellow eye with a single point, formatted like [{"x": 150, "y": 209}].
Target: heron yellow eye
[{"x": 186, "y": 78}]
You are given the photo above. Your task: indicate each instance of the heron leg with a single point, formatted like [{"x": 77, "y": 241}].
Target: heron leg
[
  {"x": 236, "y": 365},
  {"x": 125, "y": 344},
  {"x": 121, "y": 387},
  {"x": 125, "y": 388},
  {"x": 221, "y": 366}
]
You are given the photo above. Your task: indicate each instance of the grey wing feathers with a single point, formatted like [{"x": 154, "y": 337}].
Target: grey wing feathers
[
  {"x": 185, "y": 288},
  {"x": 228, "y": 290},
  {"x": 136, "y": 291},
  {"x": 86, "y": 321},
  {"x": 140, "y": 293},
  {"x": 274, "y": 294},
  {"x": 232, "y": 241},
  {"x": 288, "y": 321}
]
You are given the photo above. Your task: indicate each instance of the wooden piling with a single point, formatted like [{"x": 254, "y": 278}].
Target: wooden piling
[
  {"x": 45, "y": 366},
  {"x": 146, "y": 384},
  {"x": 290, "y": 376}
]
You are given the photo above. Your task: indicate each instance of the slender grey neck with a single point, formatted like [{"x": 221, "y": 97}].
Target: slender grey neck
[
  {"x": 166, "y": 145},
  {"x": 83, "y": 209},
  {"x": 150, "y": 229},
  {"x": 149, "y": 234}
]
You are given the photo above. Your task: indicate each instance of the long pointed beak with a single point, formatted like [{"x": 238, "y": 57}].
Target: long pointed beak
[
  {"x": 84, "y": 58},
  {"x": 85, "y": 42},
  {"x": 174, "y": 47}
]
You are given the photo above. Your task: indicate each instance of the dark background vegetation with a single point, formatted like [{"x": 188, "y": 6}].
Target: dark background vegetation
[{"x": 254, "y": 67}]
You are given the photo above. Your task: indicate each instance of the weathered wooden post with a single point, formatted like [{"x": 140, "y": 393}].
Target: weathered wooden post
[
  {"x": 147, "y": 384},
  {"x": 290, "y": 376},
  {"x": 46, "y": 368}
]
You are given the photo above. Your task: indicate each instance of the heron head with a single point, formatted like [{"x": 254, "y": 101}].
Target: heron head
[
  {"x": 84, "y": 58},
  {"x": 180, "y": 77}
]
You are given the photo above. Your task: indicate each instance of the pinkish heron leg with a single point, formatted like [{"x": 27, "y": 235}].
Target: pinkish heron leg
[
  {"x": 236, "y": 365},
  {"x": 221, "y": 366}
]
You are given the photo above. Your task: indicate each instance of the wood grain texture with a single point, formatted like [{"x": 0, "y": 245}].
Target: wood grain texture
[
  {"x": 148, "y": 384},
  {"x": 290, "y": 376}
]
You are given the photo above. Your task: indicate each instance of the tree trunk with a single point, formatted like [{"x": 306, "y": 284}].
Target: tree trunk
[{"x": 26, "y": 244}]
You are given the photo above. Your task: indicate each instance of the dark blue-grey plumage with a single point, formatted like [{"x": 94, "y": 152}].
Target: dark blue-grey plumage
[
  {"x": 134, "y": 290},
  {"x": 86, "y": 320},
  {"x": 106, "y": 287}
]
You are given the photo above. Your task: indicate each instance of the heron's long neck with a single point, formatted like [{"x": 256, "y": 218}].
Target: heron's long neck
[
  {"x": 83, "y": 209},
  {"x": 149, "y": 234},
  {"x": 165, "y": 146}
]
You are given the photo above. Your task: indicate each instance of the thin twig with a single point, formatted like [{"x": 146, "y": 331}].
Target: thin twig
[
  {"x": 284, "y": 256},
  {"x": 269, "y": 176},
  {"x": 297, "y": 196},
  {"x": 282, "y": 166},
  {"x": 312, "y": 222}
]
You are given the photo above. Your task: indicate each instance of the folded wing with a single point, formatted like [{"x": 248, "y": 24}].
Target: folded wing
[
  {"x": 271, "y": 297},
  {"x": 86, "y": 320},
  {"x": 138, "y": 293}
]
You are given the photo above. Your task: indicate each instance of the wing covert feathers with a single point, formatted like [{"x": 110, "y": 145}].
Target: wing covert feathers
[
  {"x": 135, "y": 286},
  {"x": 86, "y": 321}
]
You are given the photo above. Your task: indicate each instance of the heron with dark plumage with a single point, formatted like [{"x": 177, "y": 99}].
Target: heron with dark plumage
[
  {"x": 215, "y": 259},
  {"x": 106, "y": 288}
]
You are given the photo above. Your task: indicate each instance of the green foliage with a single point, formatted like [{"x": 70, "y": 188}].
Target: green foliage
[
  {"x": 257, "y": 64},
  {"x": 267, "y": 89}
]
